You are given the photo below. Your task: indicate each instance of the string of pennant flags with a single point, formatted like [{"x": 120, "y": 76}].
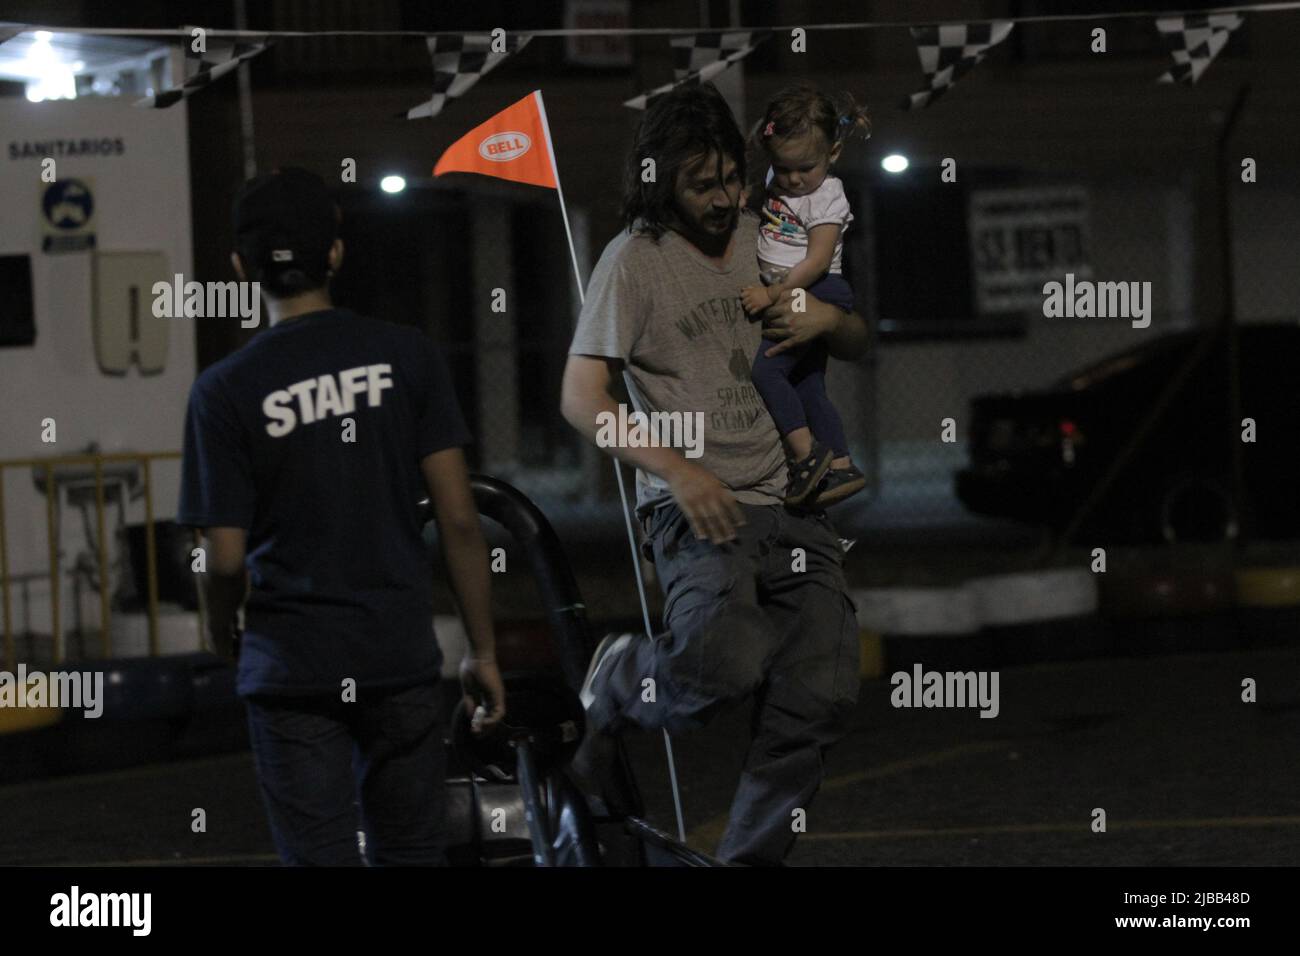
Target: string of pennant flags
[
  {"x": 459, "y": 62},
  {"x": 206, "y": 66},
  {"x": 1194, "y": 42},
  {"x": 700, "y": 57},
  {"x": 947, "y": 51},
  {"x": 176, "y": 32}
]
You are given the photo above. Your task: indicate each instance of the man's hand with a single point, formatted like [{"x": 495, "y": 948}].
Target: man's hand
[
  {"x": 707, "y": 503},
  {"x": 480, "y": 681},
  {"x": 709, "y": 506},
  {"x": 793, "y": 328},
  {"x": 224, "y": 642},
  {"x": 755, "y": 298},
  {"x": 222, "y": 588}
]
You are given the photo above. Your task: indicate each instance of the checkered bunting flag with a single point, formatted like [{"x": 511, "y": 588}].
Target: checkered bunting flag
[
  {"x": 692, "y": 54},
  {"x": 458, "y": 62},
  {"x": 1195, "y": 40},
  {"x": 698, "y": 58},
  {"x": 948, "y": 51},
  {"x": 204, "y": 68}
]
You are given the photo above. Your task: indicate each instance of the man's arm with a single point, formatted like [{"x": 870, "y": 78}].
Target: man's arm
[
  {"x": 849, "y": 339},
  {"x": 465, "y": 552},
  {"x": 584, "y": 395},
  {"x": 845, "y": 332},
  {"x": 463, "y": 546},
  {"x": 223, "y": 586},
  {"x": 708, "y": 503}
]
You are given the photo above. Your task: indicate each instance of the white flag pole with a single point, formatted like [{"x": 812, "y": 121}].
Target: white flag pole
[
  {"x": 618, "y": 471},
  {"x": 555, "y": 171}
]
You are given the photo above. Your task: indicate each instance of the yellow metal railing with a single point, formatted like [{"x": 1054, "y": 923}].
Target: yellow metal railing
[{"x": 146, "y": 460}]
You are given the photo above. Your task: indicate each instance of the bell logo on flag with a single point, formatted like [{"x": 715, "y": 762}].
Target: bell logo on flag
[{"x": 504, "y": 147}]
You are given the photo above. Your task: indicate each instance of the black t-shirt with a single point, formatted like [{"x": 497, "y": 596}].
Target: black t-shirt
[{"x": 311, "y": 437}]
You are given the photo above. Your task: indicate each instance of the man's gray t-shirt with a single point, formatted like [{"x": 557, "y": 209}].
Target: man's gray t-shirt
[{"x": 676, "y": 321}]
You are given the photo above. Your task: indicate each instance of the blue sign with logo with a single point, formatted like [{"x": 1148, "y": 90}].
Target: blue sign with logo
[{"x": 68, "y": 206}]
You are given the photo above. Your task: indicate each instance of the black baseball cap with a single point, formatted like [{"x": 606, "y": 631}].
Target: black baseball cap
[{"x": 286, "y": 219}]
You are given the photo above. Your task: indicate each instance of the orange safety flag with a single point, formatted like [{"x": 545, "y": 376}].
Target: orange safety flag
[{"x": 515, "y": 144}]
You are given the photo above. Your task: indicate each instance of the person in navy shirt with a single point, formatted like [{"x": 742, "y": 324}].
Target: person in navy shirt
[{"x": 306, "y": 454}]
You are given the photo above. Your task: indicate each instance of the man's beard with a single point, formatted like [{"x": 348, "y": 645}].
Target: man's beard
[
  {"x": 712, "y": 231},
  {"x": 723, "y": 222}
]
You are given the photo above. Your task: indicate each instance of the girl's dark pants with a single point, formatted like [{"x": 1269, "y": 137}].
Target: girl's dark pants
[{"x": 793, "y": 383}]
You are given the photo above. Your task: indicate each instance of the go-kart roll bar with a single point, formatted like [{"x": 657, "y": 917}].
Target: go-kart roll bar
[
  {"x": 565, "y": 611},
  {"x": 561, "y": 825}
]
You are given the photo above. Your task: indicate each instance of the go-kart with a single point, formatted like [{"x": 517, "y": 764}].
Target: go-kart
[{"x": 510, "y": 799}]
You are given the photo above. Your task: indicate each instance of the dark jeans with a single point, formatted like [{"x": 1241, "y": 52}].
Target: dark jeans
[
  {"x": 744, "y": 623},
  {"x": 318, "y": 757},
  {"x": 793, "y": 384}
]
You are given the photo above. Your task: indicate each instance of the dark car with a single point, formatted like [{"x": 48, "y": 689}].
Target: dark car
[{"x": 1036, "y": 457}]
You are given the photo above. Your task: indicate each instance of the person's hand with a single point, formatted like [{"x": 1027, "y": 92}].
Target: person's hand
[
  {"x": 484, "y": 692},
  {"x": 708, "y": 504},
  {"x": 792, "y": 328},
  {"x": 755, "y": 298},
  {"x": 224, "y": 642}
]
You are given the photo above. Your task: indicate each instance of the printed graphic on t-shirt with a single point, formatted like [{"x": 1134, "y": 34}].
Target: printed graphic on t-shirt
[
  {"x": 780, "y": 224},
  {"x": 717, "y": 321},
  {"x": 324, "y": 396}
]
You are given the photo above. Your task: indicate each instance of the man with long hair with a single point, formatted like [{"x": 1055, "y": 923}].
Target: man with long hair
[{"x": 756, "y": 605}]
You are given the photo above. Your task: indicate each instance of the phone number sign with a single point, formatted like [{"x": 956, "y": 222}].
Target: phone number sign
[{"x": 1023, "y": 237}]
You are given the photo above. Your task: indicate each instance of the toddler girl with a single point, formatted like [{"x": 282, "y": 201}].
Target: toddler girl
[{"x": 800, "y": 246}]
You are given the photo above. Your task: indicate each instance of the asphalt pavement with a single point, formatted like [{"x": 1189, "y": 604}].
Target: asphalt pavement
[{"x": 1185, "y": 771}]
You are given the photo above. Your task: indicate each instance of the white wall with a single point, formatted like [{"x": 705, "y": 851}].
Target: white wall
[{"x": 142, "y": 203}]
